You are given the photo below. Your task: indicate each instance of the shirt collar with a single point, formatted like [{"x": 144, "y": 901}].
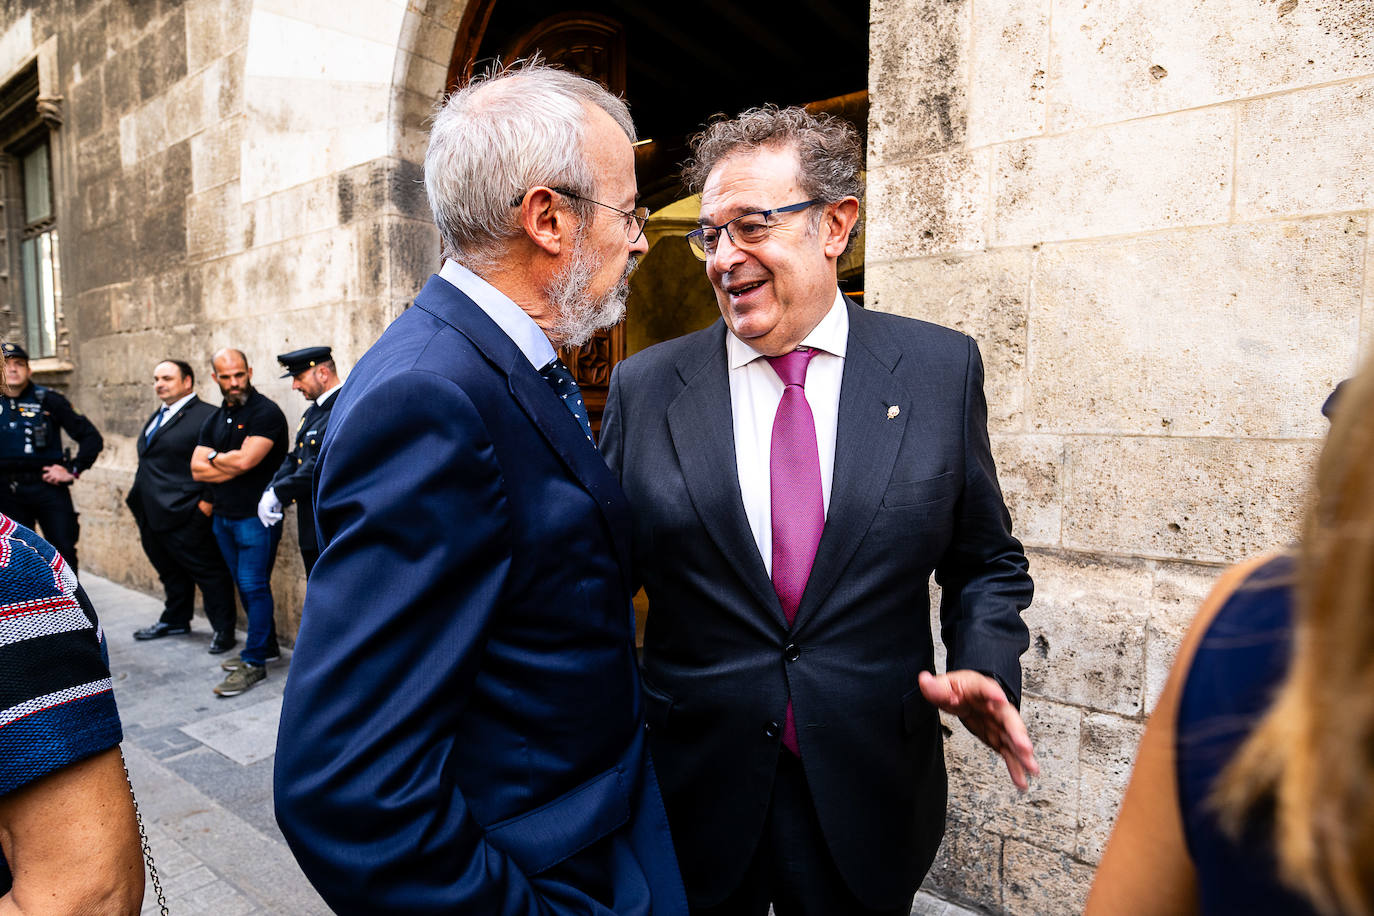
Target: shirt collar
[
  {"x": 500, "y": 308},
  {"x": 328, "y": 395},
  {"x": 830, "y": 335},
  {"x": 178, "y": 404}
]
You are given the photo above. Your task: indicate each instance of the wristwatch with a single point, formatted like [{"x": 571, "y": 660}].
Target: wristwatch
[{"x": 212, "y": 456}]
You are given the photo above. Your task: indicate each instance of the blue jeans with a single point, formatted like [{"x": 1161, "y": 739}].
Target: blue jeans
[{"x": 250, "y": 550}]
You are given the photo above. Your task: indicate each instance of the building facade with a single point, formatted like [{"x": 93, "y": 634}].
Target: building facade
[{"x": 1152, "y": 215}]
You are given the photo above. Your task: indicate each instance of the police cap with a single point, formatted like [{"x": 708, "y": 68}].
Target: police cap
[
  {"x": 14, "y": 351},
  {"x": 297, "y": 361}
]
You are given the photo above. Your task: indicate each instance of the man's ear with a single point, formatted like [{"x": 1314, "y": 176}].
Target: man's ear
[
  {"x": 546, "y": 224},
  {"x": 839, "y": 219}
]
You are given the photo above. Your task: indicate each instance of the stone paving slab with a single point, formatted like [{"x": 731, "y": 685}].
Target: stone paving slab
[
  {"x": 930, "y": 905},
  {"x": 244, "y": 735}
]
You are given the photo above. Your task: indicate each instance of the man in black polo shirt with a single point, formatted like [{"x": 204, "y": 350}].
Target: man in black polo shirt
[{"x": 240, "y": 446}]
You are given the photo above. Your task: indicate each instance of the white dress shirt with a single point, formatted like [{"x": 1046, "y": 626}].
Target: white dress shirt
[
  {"x": 327, "y": 396},
  {"x": 171, "y": 412},
  {"x": 500, "y": 308},
  {"x": 756, "y": 391}
]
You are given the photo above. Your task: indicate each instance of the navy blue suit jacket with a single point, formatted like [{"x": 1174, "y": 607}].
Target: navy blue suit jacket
[
  {"x": 914, "y": 492},
  {"x": 462, "y": 729}
]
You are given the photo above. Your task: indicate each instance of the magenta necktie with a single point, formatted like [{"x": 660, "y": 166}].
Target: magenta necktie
[{"x": 794, "y": 484}]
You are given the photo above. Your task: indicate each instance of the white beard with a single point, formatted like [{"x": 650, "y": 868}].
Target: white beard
[{"x": 578, "y": 315}]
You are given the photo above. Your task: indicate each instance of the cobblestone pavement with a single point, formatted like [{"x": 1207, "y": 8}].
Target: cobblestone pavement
[{"x": 202, "y": 770}]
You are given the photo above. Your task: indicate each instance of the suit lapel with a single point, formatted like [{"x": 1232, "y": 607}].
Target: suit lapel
[
  {"x": 144, "y": 443},
  {"x": 700, "y": 423},
  {"x": 867, "y": 439},
  {"x": 143, "y": 440},
  {"x": 549, "y": 415}
]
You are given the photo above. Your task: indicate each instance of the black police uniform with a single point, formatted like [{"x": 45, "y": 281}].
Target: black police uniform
[
  {"x": 292, "y": 482},
  {"x": 30, "y": 440}
]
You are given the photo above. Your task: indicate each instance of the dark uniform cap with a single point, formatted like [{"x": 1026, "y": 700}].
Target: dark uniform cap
[
  {"x": 14, "y": 351},
  {"x": 297, "y": 361}
]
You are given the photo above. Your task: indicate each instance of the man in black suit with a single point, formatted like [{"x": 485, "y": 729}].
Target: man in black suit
[
  {"x": 796, "y": 473},
  {"x": 173, "y": 515},
  {"x": 317, "y": 378}
]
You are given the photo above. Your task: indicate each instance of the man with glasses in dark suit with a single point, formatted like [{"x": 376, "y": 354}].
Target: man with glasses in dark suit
[{"x": 796, "y": 472}]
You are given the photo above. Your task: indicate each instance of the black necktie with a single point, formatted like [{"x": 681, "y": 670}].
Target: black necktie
[{"x": 565, "y": 386}]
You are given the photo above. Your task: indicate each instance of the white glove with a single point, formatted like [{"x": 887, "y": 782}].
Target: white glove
[{"x": 269, "y": 508}]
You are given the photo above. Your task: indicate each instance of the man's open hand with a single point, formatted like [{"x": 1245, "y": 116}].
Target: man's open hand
[{"x": 983, "y": 707}]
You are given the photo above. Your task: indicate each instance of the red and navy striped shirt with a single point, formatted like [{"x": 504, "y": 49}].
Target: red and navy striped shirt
[{"x": 56, "y": 702}]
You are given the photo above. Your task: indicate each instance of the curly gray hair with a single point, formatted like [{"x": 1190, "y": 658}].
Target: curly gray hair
[
  {"x": 829, "y": 155},
  {"x": 508, "y": 130}
]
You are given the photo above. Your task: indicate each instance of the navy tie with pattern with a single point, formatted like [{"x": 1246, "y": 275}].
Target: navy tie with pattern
[{"x": 565, "y": 386}]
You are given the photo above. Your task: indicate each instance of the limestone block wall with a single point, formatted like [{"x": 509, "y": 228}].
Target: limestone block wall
[
  {"x": 230, "y": 172},
  {"x": 1154, "y": 218}
]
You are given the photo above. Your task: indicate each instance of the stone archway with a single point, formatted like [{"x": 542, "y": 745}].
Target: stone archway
[{"x": 654, "y": 64}]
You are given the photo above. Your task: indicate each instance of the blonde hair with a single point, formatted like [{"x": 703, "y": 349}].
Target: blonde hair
[{"x": 1312, "y": 757}]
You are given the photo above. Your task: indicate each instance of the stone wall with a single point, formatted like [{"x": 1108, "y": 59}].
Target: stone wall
[
  {"x": 228, "y": 173},
  {"x": 1152, "y": 215},
  {"x": 1154, "y": 219}
]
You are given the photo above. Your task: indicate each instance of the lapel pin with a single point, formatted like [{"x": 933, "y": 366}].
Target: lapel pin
[{"x": 893, "y": 411}]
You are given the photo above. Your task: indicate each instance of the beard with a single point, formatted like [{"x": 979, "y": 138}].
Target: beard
[{"x": 579, "y": 315}]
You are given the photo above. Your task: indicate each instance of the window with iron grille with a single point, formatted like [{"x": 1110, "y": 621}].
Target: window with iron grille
[{"x": 31, "y": 304}]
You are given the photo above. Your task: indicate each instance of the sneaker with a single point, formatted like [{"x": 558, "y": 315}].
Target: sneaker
[
  {"x": 241, "y": 679},
  {"x": 273, "y": 652},
  {"x": 270, "y": 654}
]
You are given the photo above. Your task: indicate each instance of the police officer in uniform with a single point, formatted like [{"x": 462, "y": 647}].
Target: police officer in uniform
[
  {"x": 35, "y": 473},
  {"x": 317, "y": 379}
]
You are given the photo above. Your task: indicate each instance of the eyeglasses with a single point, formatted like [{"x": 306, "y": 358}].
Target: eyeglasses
[
  {"x": 634, "y": 219},
  {"x": 749, "y": 229}
]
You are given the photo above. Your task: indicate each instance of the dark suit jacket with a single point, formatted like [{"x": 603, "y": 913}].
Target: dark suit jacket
[
  {"x": 163, "y": 495},
  {"x": 912, "y": 493},
  {"x": 462, "y": 731},
  {"x": 293, "y": 480}
]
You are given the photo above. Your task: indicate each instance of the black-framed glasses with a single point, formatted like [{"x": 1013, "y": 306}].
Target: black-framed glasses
[
  {"x": 745, "y": 231},
  {"x": 634, "y": 219}
]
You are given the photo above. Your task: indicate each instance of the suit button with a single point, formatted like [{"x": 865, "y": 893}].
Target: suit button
[
  {"x": 791, "y": 653},
  {"x": 772, "y": 729}
]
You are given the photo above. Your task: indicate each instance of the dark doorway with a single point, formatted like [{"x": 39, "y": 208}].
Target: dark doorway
[{"x": 677, "y": 66}]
